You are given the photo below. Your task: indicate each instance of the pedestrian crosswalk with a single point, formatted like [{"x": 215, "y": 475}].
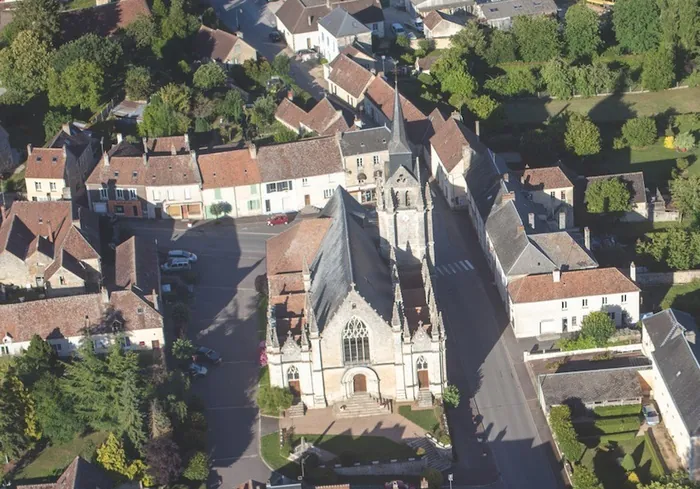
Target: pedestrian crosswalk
[{"x": 454, "y": 268}]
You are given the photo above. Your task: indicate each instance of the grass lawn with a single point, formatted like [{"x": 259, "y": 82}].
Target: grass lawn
[
  {"x": 78, "y": 4},
  {"x": 425, "y": 418},
  {"x": 605, "y": 462},
  {"x": 51, "y": 461},
  {"x": 617, "y": 107},
  {"x": 685, "y": 297}
]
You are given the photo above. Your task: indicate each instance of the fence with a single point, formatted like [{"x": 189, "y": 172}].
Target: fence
[
  {"x": 531, "y": 357},
  {"x": 668, "y": 278}
]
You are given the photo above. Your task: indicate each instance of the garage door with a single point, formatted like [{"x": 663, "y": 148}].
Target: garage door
[
  {"x": 174, "y": 211},
  {"x": 549, "y": 327}
]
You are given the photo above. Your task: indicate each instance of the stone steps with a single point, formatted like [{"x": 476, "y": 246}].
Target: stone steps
[
  {"x": 435, "y": 460},
  {"x": 358, "y": 406},
  {"x": 297, "y": 410},
  {"x": 425, "y": 398}
]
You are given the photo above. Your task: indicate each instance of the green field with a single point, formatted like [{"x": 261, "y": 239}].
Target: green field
[{"x": 604, "y": 460}]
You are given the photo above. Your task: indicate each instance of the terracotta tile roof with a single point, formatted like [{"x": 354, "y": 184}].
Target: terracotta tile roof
[
  {"x": 251, "y": 484},
  {"x": 285, "y": 283},
  {"x": 432, "y": 19},
  {"x": 450, "y": 140},
  {"x": 228, "y": 168},
  {"x": 286, "y": 251},
  {"x": 381, "y": 94},
  {"x": 46, "y": 163},
  {"x": 350, "y": 76},
  {"x": 323, "y": 115},
  {"x": 61, "y": 317},
  {"x": 136, "y": 267},
  {"x": 147, "y": 170},
  {"x": 166, "y": 145},
  {"x": 290, "y": 114},
  {"x": 634, "y": 182},
  {"x": 288, "y": 305},
  {"x": 545, "y": 178},
  {"x": 103, "y": 20},
  {"x": 324, "y": 119},
  {"x": 303, "y": 158},
  {"x": 579, "y": 283},
  {"x": 64, "y": 261},
  {"x": 214, "y": 44}
]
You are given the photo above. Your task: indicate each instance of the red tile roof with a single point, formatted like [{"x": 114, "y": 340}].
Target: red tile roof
[
  {"x": 136, "y": 267},
  {"x": 168, "y": 145},
  {"x": 381, "y": 94},
  {"x": 324, "y": 119},
  {"x": 228, "y": 168},
  {"x": 546, "y": 178},
  {"x": 103, "y": 20},
  {"x": 350, "y": 76},
  {"x": 450, "y": 140},
  {"x": 214, "y": 44},
  {"x": 46, "y": 163},
  {"x": 286, "y": 251},
  {"x": 578, "y": 283},
  {"x": 146, "y": 170}
]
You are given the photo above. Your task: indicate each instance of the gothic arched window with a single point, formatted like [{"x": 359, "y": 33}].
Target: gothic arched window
[
  {"x": 293, "y": 373},
  {"x": 355, "y": 342},
  {"x": 421, "y": 364}
]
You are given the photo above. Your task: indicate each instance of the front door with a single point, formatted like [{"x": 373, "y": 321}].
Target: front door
[
  {"x": 294, "y": 388},
  {"x": 185, "y": 212},
  {"x": 307, "y": 199},
  {"x": 159, "y": 213},
  {"x": 359, "y": 383},
  {"x": 423, "y": 380},
  {"x": 155, "y": 344}
]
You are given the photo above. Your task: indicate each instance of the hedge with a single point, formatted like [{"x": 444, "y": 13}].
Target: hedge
[
  {"x": 607, "y": 426},
  {"x": 629, "y": 435},
  {"x": 656, "y": 465},
  {"x": 607, "y": 411}
]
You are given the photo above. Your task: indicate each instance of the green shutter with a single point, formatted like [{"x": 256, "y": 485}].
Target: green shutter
[{"x": 217, "y": 193}]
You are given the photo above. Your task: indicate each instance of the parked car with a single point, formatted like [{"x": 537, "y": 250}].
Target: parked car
[
  {"x": 197, "y": 370},
  {"x": 306, "y": 55},
  {"x": 411, "y": 35},
  {"x": 182, "y": 254},
  {"x": 418, "y": 23},
  {"x": 275, "y": 36},
  {"x": 650, "y": 415},
  {"x": 211, "y": 356},
  {"x": 176, "y": 265},
  {"x": 277, "y": 220},
  {"x": 397, "y": 29}
]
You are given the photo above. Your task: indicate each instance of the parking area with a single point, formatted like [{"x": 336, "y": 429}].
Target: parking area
[{"x": 224, "y": 317}]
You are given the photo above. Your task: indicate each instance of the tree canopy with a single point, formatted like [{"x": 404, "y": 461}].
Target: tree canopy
[
  {"x": 608, "y": 195},
  {"x": 81, "y": 84},
  {"x": 24, "y": 65},
  {"x": 677, "y": 248},
  {"x": 38, "y": 16},
  {"x": 538, "y": 37},
  {"x": 208, "y": 76},
  {"x": 451, "y": 71},
  {"x": 582, "y": 137},
  {"x": 636, "y": 24},
  {"x": 581, "y": 31}
]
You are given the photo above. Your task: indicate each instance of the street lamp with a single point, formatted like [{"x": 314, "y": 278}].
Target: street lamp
[
  {"x": 450, "y": 477},
  {"x": 238, "y": 24},
  {"x": 383, "y": 58}
]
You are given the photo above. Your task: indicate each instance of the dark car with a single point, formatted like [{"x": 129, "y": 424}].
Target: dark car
[
  {"x": 209, "y": 355},
  {"x": 197, "y": 370},
  {"x": 275, "y": 36},
  {"x": 277, "y": 220}
]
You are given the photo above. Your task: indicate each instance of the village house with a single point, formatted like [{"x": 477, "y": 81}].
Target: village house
[
  {"x": 59, "y": 170},
  {"x": 439, "y": 27},
  {"x": 347, "y": 79},
  {"x": 137, "y": 269},
  {"x": 500, "y": 14},
  {"x": 51, "y": 245},
  {"x": 223, "y": 47},
  {"x": 324, "y": 119},
  {"x": 104, "y": 19},
  {"x": 553, "y": 190},
  {"x": 365, "y": 153},
  {"x": 231, "y": 176},
  {"x": 80, "y": 474},
  {"x": 339, "y": 29}
]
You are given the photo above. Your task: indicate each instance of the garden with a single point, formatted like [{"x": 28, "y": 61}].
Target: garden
[{"x": 431, "y": 420}]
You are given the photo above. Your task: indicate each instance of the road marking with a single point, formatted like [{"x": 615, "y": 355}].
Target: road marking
[
  {"x": 453, "y": 268},
  {"x": 462, "y": 266},
  {"x": 469, "y": 264}
]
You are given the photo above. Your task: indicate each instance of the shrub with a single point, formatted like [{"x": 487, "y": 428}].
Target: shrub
[
  {"x": 451, "y": 395},
  {"x": 685, "y": 141},
  {"x": 197, "y": 468},
  {"x": 273, "y": 400},
  {"x": 628, "y": 462},
  {"x": 585, "y": 478},
  {"x": 640, "y": 132},
  {"x": 599, "y": 327},
  {"x": 563, "y": 430},
  {"x": 617, "y": 437},
  {"x": 434, "y": 478}
]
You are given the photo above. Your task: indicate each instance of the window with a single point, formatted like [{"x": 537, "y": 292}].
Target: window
[
  {"x": 156, "y": 195},
  {"x": 125, "y": 341},
  {"x": 217, "y": 194},
  {"x": 52, "y": 186},
  {"x": 355, "y": 342},
  {"x": 612, "y": 315},
  {"x": 375, "y": 159},
  {"x": 279, "y": 186},
  {"x": 254, "y": 189},
  {"x": 132, "y": 194},
  {"x": 564, "y": 324},
  {"x": 188, "y": 193},
  {"x": 359, "y": 162},
  {"x": 562, "y": 195},
  {"x": 375, "y": 27},
  {"x": 564, "y": 306},
  {"x": 552, "y": 194},
  {"x": 119, "y": 209},
  {"x": 62, "y": 280},
  {"x": 328, "y": 193},
  {"x": 103, "y": 194},
  {"x": 574, "y": 320},
  {"x": 421, "y": 364},
  {"x": 253, "y": 205},
  {"x": 605, "y": 300},
  {"x": 56, "y": 347},
  {"x": 304, "y": 182},
  {"x": 623, "y": 299},
  {"x": 4, "y": 350},
  {"x": 584, "y": 303},
  {"x": 171, "y": 194},
  {"x": 271, "y": 187},
  {"x": 293, "y": 373},
  {"x": 37, "y": 186},
  {"x": 120, "y": 194}
]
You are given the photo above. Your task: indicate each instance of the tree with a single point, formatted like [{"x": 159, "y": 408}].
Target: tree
[
  {"x": 639, "y": 132},
  {"x": 434, "y": 478},
  {"x": 183, "y": 349},
  {"x": 263, "y": 113},
  {"x": 208, "y": 76},
  {"x": 451, "y": 71},
  {"x": 585, "y": 478},
  {"x": 608, "y": 195},
  {"x": 163, "y": 460},
  {"x": 657, "y": 71},
  {"x": 176, "y": 96},
  {"x": 503, "y": 48},
  {"x": 105, "y": 52},
  {"x": 38, "y": 359},
  {"x": 564, "y": 433},
  {"x": 178, "y": 24},
  {"x": 40, "y": 17},
  {"x": 17, "y": 416},
  {"x": 281, "y": 65},
  {"x": 538, "y": 37},
  {"x": 143, "y": 31},
  {"x": 636, "y": 24},
  {"x": 471, "y": 39},
  {"x": 137, "y": 83},
  {"x": 517, "y": 82},
  {"x": 685, "y": 141},
  {"x": 24, "y": 65},
  {"x": 451, "y": 395},
  {"x": 482, "y": 106},
  {"x": 79, "y": 85},
  {"x": 160, "y": 424},
  {"x": 559, "y": 78},
  {"x": 197, "y": 467},
  {"x": 678, "y": 248},
  {"x": 402, "y": 41},
  {"x": 53, "y": 121},
  {"x": 597, "y": 326},
  {"x": 284, "y": 135},
  {"x": 680, "y": 23},
  {"x": 219, "y": 209},
  {"x": 54, "y": 410},
  {"x": 582, "y": 137},
  {"x": 112, "y": 456},
  {"x": 685, "y": 192},
  {"x": 602, "y": 77},
  {"x": 130, "y": 409},
  {"x": 581, "y": 31},
  {"x": 231, "y": 106},
  {"x": 161, "y": 119}
]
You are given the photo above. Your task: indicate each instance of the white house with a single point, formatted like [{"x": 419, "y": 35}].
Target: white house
[
  {"x": 439, "y": 27},
  {"x": 669, "y": 340},
  {"x": 339, "y": 29},
  {"x": 557, "y": 302},
  {"x": 500, "y": 14}
]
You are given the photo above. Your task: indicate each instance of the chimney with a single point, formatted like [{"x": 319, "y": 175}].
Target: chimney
[
  {"x": 506, "y": 177},
  {"x": 508, "y": 197},
  {"x": 186, "y": 136},
  {"x": 173, "y": 150},
  {"x": 424, "y": 483},
  {"x": 311, "y": 19},
  {"x": 66, "y": 128},
  {"x": 105, "y": 158},
  {"x": 633, "y": 272},
  {"x": 29, "y": 149},
  {"x": 120, "y": 137},
  {"x": 556, "y": 276},
  {"x": 154, "y": 297},
  {"x": 105, "y": 295},
  {"x": 145, "y": 145},
  {"x": 456, "y": 115},
  {"x": 65, "y": 151},
  {"x": 290, "y": 95},
  {"x": 531, "y": 220},
  {"x": 477, "y": 130},
  {"x": 253, "y": 151},
  {"x": 358, "y": 121},
  {"x": 562, "y": 220},
  {"x": 145, "y": 159},
  {"x": 587, "y": 238},
  {"x": 690, "y": 336}
]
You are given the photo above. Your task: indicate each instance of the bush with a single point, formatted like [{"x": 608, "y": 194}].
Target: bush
[
  {"x": 564, "y": 433},
  {"x": 598, "y": 327},
  {"x": 272, "y": 400},
  {"x": 628, "y": 462},
  {"x": 640, "y": 132},
  {"x": 617, "y": 437},
  {"x": 451, "y": 395},
  {"x": 197, "y": 467},
  {"x": 585, "y": 478},
  {"x": 684, "y": 141},
  {"x": 434, "y": 478}
]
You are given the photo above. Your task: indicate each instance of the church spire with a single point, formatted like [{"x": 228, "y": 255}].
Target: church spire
[{"x": 399, "y": 151}]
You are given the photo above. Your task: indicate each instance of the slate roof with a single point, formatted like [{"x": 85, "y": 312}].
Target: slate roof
[
  {"x": 633, "y": 181},
  {"x": 136, "y": 266},
  {"x": 577, "y": 283},
  {"x": 545, "y": 178},
  {"x": 147, "y": 170},
  {"x": 298, "y": 159},
  {"x": 339, "y": 23},
  {"x": 564, "y": 250},
  {"x": 214, "y": 44},
  {"x": 303, "y": 16},
  {"x": 229, "y": 167},
  {"x": 450, "y": 140},
  {"x": 381, "y": 94},
  {"x": 350, "y": 75},
  {"x": 372, "y": 140},
  {"x": 103, "y": 20},
  {"x": 80, "y": 474},
  {"x": 348, "y": 258},
  {"x": 512, "y": 8},
  {"x": 592, "y": 386},
  {"x": 677, "y": 362}
]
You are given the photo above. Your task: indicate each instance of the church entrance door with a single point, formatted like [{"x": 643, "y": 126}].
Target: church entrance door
[
  {"x": 294, "y": 388},
  {"x": 423, "y": 381},
  {"x": 359, "y": 383}
]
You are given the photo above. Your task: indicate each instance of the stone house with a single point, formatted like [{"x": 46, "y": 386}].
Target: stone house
[
  {"x": 638, "y": 194},
  {"x": 347, "y": 79},
  {"x": 439, "y": 27},
  {"x": 339, "y": 29},
  {"x": 51, "y": 245},
  {"x": 365, "y": 152},
  {"x": 137, "y": 268},
  {"x": 324, "y": 119},
  {"x": 223, "y": 47}
]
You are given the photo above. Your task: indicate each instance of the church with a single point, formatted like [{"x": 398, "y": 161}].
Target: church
[{"x": 352, "y": 311}]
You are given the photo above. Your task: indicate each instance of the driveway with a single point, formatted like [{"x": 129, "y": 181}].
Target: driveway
[{"x": 224, "y": 317}]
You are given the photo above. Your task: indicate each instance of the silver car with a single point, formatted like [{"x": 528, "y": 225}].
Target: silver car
[
  {"x": 182, "y": 254},
  {"x": 650, "y": 415}
]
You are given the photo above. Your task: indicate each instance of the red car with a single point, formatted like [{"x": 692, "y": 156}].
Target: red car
[{"x": 278, "y": 219}]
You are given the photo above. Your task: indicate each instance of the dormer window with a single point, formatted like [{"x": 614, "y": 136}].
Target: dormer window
[
  {"x": 7, "y": 339},
  {"x": 135, "y": 174},
  {"x": 54, "y": 159},
  {"x": 116, "y": 173},
  {"x": 38, "y": 159}
]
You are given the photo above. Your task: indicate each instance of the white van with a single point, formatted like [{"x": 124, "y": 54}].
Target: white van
[{"x": 176, "y": 265}]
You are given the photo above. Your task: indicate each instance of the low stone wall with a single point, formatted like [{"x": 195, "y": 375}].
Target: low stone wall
[
  {"x": 668, "y": 278},
  {"x": 529, "y": 357},
  {"x": 411, "y": 466}
]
